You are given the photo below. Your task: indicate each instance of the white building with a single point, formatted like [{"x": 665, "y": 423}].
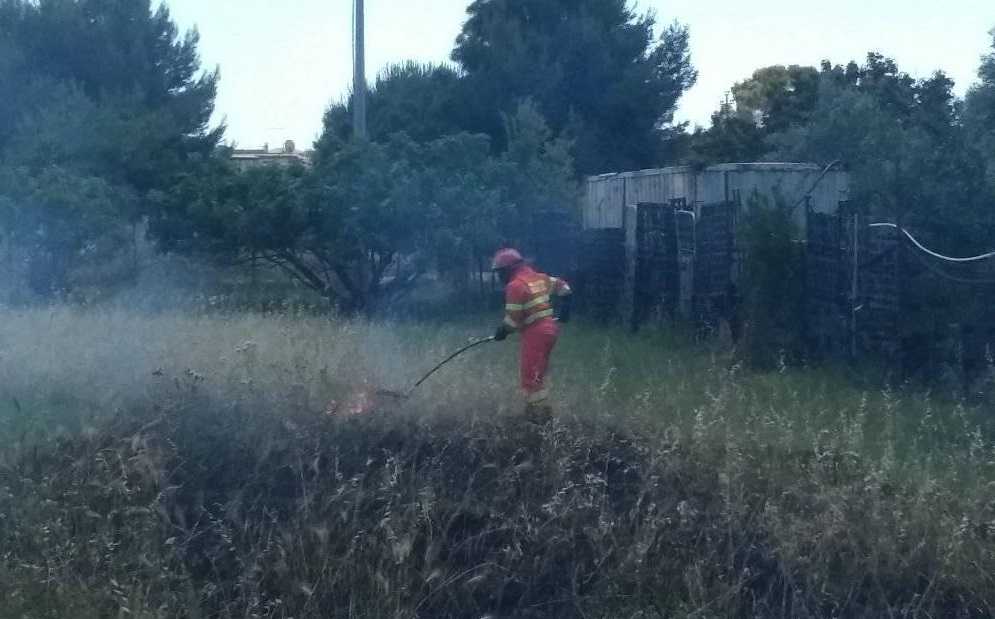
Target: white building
[
  {"x": 684, "y": 256},
  {"x": 288, "y": 155},
  {"x": 608, "y": 195}
]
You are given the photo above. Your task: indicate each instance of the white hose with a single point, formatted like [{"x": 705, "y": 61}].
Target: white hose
[{"x": 926, "y": 250}]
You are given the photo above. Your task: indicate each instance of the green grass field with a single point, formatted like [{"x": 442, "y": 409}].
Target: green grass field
[{"x": 184, "y": 466}]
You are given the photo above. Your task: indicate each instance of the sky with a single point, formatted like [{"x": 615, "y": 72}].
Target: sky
[{"x": 284, "y": 61}]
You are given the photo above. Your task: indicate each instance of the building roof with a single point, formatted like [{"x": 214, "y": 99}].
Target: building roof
[
  {"x": 759, "y": 166},
  {"x": 241, "y": 155},
  {"x": 288, "y": 153}
]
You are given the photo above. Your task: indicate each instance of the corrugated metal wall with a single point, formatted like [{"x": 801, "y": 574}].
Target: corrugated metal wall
[
  {"x": 608, "y": 195},
  {"x": 604, "y": 202},
  {"x": 658, "y": 186},
  {"x": 716, "y": 195}
]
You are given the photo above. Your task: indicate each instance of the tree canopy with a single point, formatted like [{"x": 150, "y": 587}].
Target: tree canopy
[
  {"x": 778, "y": 97},
  {"x": 114, "y": 74},
  {"x": 979, "y": 112},
  {"x": 372, "y": 217},
  {"x": 103, "y": 102},
  {"x": 913, "y": 159},
  {"x": 903, "y": 139},
  {"x": 773, "y": 100},
  {"x": 423, "y": 100},
  {"x": 594, "y": 68}
]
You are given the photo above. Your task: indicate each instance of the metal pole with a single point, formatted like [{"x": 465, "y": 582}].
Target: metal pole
[{"x": 359, "y": 72}]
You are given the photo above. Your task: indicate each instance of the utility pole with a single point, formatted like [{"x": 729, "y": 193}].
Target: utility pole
[
  {"x": 725, "y": 107},
  {"x": 359, "y": 72}
]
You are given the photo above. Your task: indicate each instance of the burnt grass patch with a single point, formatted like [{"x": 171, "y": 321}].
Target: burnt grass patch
[{"x": 203, "y": 510}]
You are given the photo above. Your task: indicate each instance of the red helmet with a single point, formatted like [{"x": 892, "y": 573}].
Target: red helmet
[{"x": 506, "y": 259}]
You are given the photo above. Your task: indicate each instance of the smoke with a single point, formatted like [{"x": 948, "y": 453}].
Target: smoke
[{"x": 67, "y": 367}]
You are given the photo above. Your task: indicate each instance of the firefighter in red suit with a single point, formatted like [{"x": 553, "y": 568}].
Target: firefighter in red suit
[{"x": 529, "y": 311}]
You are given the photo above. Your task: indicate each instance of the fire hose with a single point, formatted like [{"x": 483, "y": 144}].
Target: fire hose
[
  {"x": 407, "y": 395},
  {"x": 397, "y": 395}
]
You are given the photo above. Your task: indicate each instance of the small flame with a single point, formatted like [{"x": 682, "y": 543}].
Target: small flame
[{"x": 361, "y": 402}]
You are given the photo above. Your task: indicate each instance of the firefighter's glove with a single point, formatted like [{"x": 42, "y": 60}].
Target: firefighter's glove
[{"x": 502, "y": 333}]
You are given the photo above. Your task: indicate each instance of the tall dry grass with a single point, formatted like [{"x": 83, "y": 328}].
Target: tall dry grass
[{"x": 182, "y": 466}]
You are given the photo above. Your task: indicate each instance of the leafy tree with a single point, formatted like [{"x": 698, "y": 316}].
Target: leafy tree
[
  {"x": 731, "y": 138},
  {"x": 593, "y": 67},
  {"x": 128, "y": 60},
  {"x": 772, "y": 100},
  {"x": 537, "y": 175},
  {"x": 778, "y": 97},
  {"x": 59, "y": 221},
  {"x": 372, "y": 217},
  {"x": 107, "y": 92},
  {"x": 902, "y": 138},
  {"x": 422, "y": 100},
  {"x": 359, "y": 229},
  {"x": 910, "y": 159},
  {"x": 979, "y": 113}
]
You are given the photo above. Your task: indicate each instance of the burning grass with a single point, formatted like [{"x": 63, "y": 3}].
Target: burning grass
[{"x": 184, "y": 466}]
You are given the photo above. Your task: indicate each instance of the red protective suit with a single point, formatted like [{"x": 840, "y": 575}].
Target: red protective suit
[{"x": 529, "y": 310}]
